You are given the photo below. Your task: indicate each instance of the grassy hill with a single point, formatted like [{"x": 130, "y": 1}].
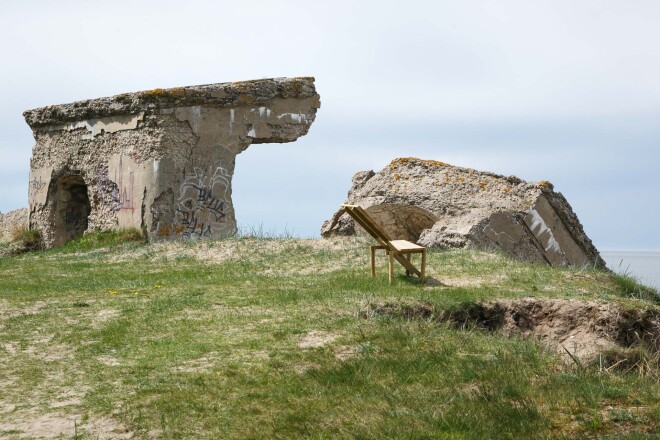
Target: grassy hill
[{"x": 290, "y": 338}]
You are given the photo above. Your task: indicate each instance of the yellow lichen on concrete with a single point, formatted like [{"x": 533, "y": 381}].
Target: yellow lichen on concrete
[
  {"x": 165, "y": 93},
  {"x": 404, "y": 161}
]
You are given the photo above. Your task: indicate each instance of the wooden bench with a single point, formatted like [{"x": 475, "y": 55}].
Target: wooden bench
[{"x": 399, "y": 250}]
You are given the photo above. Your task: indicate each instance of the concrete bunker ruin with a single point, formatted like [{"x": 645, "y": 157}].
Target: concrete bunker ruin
[
  {"x": 159, "y": 160},
  {"x": 439, "y": 205}
]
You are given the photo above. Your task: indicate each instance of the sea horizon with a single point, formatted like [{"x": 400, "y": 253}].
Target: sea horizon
[{"x": 642, "y": 265}]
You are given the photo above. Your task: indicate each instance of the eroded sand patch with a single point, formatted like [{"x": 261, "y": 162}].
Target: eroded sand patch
[{"x": 576, "y": 329}]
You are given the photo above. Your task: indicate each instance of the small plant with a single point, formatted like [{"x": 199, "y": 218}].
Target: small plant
[
  {"x": 259, "y": 233},
  {"x": 106, "y": 238},
  {"x": 26, "y": 239}
]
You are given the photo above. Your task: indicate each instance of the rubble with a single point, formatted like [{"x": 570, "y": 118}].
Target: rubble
[{"x": 439, "y": 205}]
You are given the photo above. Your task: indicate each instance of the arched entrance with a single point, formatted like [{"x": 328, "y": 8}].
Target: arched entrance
[
  {"x": 71, "y": 208},
  {"x": 402, "y": 222}
]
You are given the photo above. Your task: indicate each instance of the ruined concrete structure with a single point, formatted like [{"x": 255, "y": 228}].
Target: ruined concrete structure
[
  {"x": 440, "y": 205},
  {"x": 160, "y": 160},
  {"x": 12, "y": 221}
]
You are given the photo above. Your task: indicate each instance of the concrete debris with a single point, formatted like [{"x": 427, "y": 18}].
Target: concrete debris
[
  {"x": 12, "y": 221},
  {"x": 439, "y": 205},
  {"x": 160, "y": 160}
]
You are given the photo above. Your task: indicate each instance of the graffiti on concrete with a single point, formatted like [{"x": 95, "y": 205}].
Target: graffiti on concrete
[
  {"x": 36, "y": 185},
  {"x": 200, "y": 210}
]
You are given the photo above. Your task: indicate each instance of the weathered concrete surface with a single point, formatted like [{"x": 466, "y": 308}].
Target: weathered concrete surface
[
  {"x": 440, "y": 205},
  {"x": 160, "y": 160},
  {"x": 11, "y": 221}
]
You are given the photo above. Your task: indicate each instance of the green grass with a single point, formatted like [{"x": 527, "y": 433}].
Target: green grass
[{"x": 249, "y": 338}]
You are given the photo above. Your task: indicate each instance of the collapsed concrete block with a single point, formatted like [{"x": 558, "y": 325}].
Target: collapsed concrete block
[
  {"x": 439, "y": 205},
  {"x": 160, "y": 160},
  {"x": 12, "y": 221}
]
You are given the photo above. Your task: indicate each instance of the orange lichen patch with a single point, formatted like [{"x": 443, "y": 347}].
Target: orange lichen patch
[
  {"x": 545, "y": 184},
  {"x": 482, "y": 185},
  {"x": 154, "y": 92},
  {"x": 404, "y": 161},
  {"x": 165, "y": 93},
  {"x": 455, "y": 180},
  {"x": 243, "y": 97},
  {"x": 507, "y": 189},
  {"x": 397, "y": 176}
]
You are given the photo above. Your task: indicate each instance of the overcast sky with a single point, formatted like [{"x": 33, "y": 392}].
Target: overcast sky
[{"x": 565, "y": 91}]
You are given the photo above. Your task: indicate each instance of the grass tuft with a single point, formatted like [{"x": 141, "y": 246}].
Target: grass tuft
[
  {"x": 100, "y": 239},
  {"x": 25, "y": 240},
  {"x": 629, "y": 286}
]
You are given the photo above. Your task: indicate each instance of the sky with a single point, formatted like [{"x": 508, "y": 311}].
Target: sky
[{"x": 562, "y": 91}]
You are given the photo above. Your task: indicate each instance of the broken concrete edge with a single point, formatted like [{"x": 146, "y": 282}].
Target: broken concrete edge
[
  {"x": 566, "y": 213},
  {"x": 231, "y": 94},
  {"x": 343, "y": 225},
  {"x": 461, "y": 207}
]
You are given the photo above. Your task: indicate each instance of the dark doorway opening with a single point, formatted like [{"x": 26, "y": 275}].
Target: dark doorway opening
[
  {"x": 71, "y": 209},
  {"x": 402, "y": 222}
]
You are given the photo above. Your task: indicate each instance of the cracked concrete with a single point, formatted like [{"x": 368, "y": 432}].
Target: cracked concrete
[
  {"x": 160, "y": 160},
  {"x": 439, "y": 205}
]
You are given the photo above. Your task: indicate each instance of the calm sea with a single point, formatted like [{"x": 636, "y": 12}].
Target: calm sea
[{"x": 645, "y": 266}]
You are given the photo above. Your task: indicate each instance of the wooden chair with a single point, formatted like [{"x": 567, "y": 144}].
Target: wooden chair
[{"x": 399, "y": 250}]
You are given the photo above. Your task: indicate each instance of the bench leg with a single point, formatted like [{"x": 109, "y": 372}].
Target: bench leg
[
  {"x": 423, "y": 271},
  {"x": 391, "y": 255},
  {"x": 373, "y": 261},
  {"x": 407, "y": 271}
]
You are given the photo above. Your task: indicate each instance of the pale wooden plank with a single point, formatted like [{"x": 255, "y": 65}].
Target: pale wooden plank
[{"x": 402, "y": 245}]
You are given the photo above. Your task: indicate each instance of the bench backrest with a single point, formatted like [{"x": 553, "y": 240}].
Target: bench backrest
[
  {"x": 378, "y": 233},
  {"x": 369, "y": 224}
]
